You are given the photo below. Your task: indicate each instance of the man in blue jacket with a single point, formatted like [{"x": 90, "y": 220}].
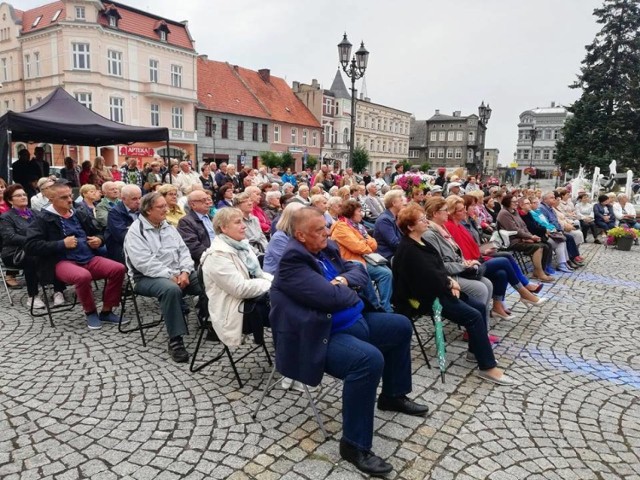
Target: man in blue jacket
[
  {"x": 319, "y": 325},
  {"x": 120, "y": 219},
  {"x": 386, "y": 231}
]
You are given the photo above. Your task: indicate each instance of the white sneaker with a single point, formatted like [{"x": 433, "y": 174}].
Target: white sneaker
[
  {"x": 37, "y": 303},
  {"x": 58, "y": 299}
]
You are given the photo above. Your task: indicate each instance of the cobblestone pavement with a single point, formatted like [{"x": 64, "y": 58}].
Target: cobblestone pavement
[{"x": 96, "y": 404}]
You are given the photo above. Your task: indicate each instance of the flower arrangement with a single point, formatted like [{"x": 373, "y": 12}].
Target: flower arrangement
[
  {"x": 624, "y": 231},
  {"x": 407, "y": 181}
]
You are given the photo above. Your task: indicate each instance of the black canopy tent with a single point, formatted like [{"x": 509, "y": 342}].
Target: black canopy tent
[{"x": 60, "y": 119}]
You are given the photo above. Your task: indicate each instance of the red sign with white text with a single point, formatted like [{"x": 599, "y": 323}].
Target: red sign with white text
[{"x": 136, "y": 151}]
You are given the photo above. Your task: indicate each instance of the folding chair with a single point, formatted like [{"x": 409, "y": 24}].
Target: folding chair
[
  {"x": 205, "y": 327},
  {"x": 311, "y": 402},
  {"x": 4, "y": 282},
  {"x": 127, "y": 292},
  {"x": 51, "y": 309}
]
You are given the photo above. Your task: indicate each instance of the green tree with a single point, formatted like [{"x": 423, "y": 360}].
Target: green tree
[
  {"x": 407, "y": 165},
  {"x": 270, "y": 159},
  {"x": 287, "y": 160},
  {"x": 360, "y": 159},
  {"x": 606, "y": 118},
  {"x": 425, "y": 167},
  {"x": 312, "y": 161}
]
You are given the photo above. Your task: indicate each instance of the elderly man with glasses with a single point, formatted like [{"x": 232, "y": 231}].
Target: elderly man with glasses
[
  {"x": 196, "y": 228},
  {"x": 160, "y": 266}
]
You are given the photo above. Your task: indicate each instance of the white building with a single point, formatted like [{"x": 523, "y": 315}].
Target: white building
[{"x": 544, "y": 127}]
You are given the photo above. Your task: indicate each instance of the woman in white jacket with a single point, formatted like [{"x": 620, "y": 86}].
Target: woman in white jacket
[{"x": 232, "y": 274}]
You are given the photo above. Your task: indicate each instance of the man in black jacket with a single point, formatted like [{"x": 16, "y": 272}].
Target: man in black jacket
[
  {"x": 196, "y": 228},
  {"x": 66, "y": 241},
  {"x": 119, "y": 219}
]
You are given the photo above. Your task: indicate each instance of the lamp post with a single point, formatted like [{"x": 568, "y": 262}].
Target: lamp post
[
  {"x": 354, "y": 67},
  {"x": 484, "y": 114},
  {"x": 533, "y": 133}
]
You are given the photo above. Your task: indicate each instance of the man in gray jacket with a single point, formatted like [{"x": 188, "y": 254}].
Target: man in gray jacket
[{"x": 161, "y": 266}]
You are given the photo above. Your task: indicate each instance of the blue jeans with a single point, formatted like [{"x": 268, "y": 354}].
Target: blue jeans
[
  {"x": 500, "y": 269},
  {"x": 516, "y": 268},
  {"x": 572, "y": 247},
  {"x": 383, "y": 278},
  {"x": 377, "y": 346},
  {"x": 470, "y": 314}
]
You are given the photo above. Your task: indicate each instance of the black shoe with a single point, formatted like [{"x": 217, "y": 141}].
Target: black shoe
[
  {"x": 402, "y": 405},
  {"x": 177, "y": 350},
  {"x": 364, "y": 460},
  {"x": 597, "y": 241}
]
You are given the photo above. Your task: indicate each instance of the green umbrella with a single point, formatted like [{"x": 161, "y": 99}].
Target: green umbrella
[{"x": 441, "y": 350}]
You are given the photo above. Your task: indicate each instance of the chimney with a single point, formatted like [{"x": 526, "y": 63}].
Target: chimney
[
  {"x": 315, "y": 83},
  {"x": 553, "y": 104},
  {"x": 204, "y": 57},
  {"x": 295, "y": 86},
  {"x": 437, "y": 112},
  {"x": 457, "y": 113},
  {"x": 265, "y": 74}
]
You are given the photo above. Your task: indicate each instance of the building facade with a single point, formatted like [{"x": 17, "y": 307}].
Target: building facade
[
  {"x": 490, "y": 161},
  {"x": 538, "y": 131},
  {"x": 449, "y": 141},
  {"x": 126, "y": 64}
]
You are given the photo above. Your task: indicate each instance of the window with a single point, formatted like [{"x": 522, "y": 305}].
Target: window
[
  {"x": 327, "y": 106},
  {"x": 553, "y": 155},
  {"x": 224, "y": 128},
  {"x": 114, "y": 63},
  {"x": 327, "y": 133},
  {"x": 314, "y": 139},
  {"x": 384, "y": 125},
  {"x": 80, "y": 14},
  {"x": 441, "y": 136},
  {"x": 276, "y": 133},
  {"x": 4, "y": 69},
  {"x": 450, "y": 135},
  {"x": 176, "y": 76},
  {"x": 371, "y": 145},
  {"x": 433, "y": 137},
  {"x": 153, "y": 71},
  {"x": 208, "y": 126},
  {"x": 163, "y": 35},
  {"x": 441, "y": 153},
  {"x": 379, "y": 124},
  {"x": 254, "y": 132},
  {"x": 36, "y": 61},
  {"x": 432, "y": 153},
  {"x": 27, "y": 66},
  {"x": 305, "y": 135},
  {"x": 265, "y": 134},
  {"x": 345, "y": 136},
  {"x": 449, "y": 152},
  {"x": 294, "y": 136},
  {"x": 471, "y": 137},
  {"x": 116, "y": 109},
  {"x": 56, "y": 15},
  {"x": 536, "y": 154},
  {"x": 177, "y": 118},
  {"x": 546, "y": 135},
  {"x": 155, "y": 115},
  {"x": 240, "y": 130},
  {"x": 29, "y": 102},
  {"x": 113, "y": 21},
  {"x": 84, "y": 99},
  {"x": 81, "y": 56},
  {"x": 458, "y": 152},
  {"x": 545, "y": 154},
  {"x": 556, "y": 134},
  {"x": 525, "y": 155},
  {"x": 36, "y": 21},
  {"x": 458, "y": 136}
]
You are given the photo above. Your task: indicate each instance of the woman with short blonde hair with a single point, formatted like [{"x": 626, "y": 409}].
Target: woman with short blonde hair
[
  {"x": 175, "y": 212},
  {"x": 280, "y": 238}
]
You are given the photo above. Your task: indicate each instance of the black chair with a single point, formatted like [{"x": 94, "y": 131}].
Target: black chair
[
  {"x": 205, "y": 327},
  {"x": 51, "y": 309},
  {"x": 127, "y": 292}
]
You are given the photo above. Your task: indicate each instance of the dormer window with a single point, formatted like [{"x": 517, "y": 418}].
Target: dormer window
[
  {"x": 162, "y": 29},
  {"x": 80, "y": 14},
  {"x": 56, "y": 15},
  {"x": 36, "y": 21},
  {"x": 112, "y": 16}
]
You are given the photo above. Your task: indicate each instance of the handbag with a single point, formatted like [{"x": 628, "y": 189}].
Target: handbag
[
  {"x": 557, "y": 236},
  {"x": 375, "y": 259},
  {"x": 18, "y": 257},
  {"x": 473, "y": 273}
]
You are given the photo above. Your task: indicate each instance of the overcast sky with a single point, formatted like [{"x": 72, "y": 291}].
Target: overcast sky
[{"x": 424, "y": 54}]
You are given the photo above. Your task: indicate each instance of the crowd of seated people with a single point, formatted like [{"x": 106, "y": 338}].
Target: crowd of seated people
[{"x": 344, "y": 263}]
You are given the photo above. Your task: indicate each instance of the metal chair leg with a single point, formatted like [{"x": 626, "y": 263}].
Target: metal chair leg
[
  {"x": 312, "y": 404},
  {"x": 419, "y": 339},
  {"x": 6, "y": 287},
  {"x": 266, "y": 390}
]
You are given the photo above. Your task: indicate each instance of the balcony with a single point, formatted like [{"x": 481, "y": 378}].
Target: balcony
[
  {"x": 168, "y": 92},
  {"x": 183, "y": 136}
]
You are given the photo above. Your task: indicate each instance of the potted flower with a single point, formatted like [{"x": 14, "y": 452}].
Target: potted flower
[
  {"x": 622, "y": 237},
  {"x": 407, "y": 181}
]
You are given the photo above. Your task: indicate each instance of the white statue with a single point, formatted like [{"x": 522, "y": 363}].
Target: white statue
[{"x": 612, "y": 169}]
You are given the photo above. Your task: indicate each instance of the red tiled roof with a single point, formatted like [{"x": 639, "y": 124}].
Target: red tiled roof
[
  {"x": 282, "y": 104},
  {"x": 132, "y": 21},
  {"x": 220, "y": 90}
]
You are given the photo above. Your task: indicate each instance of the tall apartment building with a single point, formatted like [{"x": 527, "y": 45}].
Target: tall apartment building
[
  {"x": 449, "y": 141},
  {"x": 126, "y": 64},
  {"x": 383, "y": 131},
  {"x": 244, "y": 112},
  {"x": 547, "y": 124}
]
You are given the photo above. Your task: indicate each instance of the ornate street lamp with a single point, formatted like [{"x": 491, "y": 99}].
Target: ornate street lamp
[
  {"x": 533, "y": 133},
  {"x": 484, "y": 114},
  {"x": 354, "y": 67}
]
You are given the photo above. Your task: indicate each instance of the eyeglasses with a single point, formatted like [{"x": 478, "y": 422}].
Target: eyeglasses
[
  {"x": 205, "y": 200},
  {"x": 445, "y": 209},
  {"x": 423, "y": 219},
  {"x": 460, "y": 210},
  {"x": 18, "y": 195}
]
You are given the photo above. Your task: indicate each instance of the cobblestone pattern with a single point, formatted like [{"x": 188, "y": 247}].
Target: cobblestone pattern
[{"x": 96, "y": 404}]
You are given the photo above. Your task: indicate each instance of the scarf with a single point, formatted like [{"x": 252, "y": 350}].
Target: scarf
[
  {"x": 24, "y": 213},
  {"x": 245, "y": 252},
  {"x": 357, "y": 226}
]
